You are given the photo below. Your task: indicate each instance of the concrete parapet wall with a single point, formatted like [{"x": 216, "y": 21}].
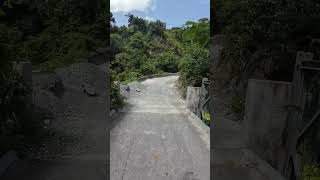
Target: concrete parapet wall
[
  {"x": 265, "y": 116},
  {"x": 193, "y": 98}
]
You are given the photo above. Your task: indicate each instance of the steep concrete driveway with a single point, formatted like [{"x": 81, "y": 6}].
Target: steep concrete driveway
[{"x": 156, "y": 139}]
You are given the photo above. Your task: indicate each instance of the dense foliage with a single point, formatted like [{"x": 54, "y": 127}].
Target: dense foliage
[
  {"x": 148, "y": 47},
  {"x": 52, "y": 33}
]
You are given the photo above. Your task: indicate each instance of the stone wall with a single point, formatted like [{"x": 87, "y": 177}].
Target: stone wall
[{"x": 265, "y": 116}]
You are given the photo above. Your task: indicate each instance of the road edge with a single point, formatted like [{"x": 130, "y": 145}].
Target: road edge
[{"x": 201, "y": 128}]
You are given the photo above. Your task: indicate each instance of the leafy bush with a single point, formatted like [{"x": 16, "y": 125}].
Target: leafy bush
[
  {"x": 149, "y": 68},
  {"x": 53, "y": 34},
  {"x": 194, "y": 65},
  {"x": 207, "y": 118},
  {"x": 198, "y": 32},
  {"x": 128, "y": 76},
  {"x": 311, "y": 172},
  {"x": 116, "y": 99},
  {"x": 167, "y": 62}
]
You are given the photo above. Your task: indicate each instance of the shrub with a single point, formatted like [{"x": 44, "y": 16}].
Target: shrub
[
  {"x": 167, "y": 62},
  {"x": 194, "y": 66},
  {"x": 116, "y": 98},
  {"x": 207, "y": 118}
]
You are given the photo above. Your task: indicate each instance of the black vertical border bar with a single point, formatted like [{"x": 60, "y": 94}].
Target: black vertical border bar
[
  {"x": 108, "y": 94},
  {"x": 108, "y": 21},
  {"x": 213, "y": 31}
]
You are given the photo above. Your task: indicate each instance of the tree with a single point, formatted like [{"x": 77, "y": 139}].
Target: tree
[
  {"x": 262, "y": 33},
  {"x": 198, "y": 32},
  {"x": 157, "y": 28},
  {"x": 194, "y": 65},
  {"x": 137, "y": 23},
  {"x": 167, "y": 61}
]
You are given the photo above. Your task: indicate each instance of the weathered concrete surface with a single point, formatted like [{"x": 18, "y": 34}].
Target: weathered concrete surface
[
  {"x": 156, "y": 139},
  {"x": 265, "y": 118},
  {"x": 193, "y": 99}
]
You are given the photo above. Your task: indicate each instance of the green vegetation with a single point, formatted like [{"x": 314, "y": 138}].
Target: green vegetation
[
  {"x": 311, "y": 172},
  {"x": 148, "y": 47},
  {"x": 207, "y": 118},
  {"x": 116, "y": 99},
  {"x": 52, "y": 33}
]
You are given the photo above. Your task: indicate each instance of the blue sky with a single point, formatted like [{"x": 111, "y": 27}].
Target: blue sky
[{"x": 173, "y": 12}]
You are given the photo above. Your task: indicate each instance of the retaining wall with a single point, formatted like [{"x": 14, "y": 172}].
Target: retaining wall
[{"x": 265, "y": 116}]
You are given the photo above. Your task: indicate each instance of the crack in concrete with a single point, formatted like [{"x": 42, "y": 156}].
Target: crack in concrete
[{"x": 125, "y": 166}]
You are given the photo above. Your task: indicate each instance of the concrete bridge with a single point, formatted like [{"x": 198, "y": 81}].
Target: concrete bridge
[{"x": 156, "y": 138}]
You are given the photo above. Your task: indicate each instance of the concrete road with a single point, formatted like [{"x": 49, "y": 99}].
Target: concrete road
[{"x": 156, "y": 139}]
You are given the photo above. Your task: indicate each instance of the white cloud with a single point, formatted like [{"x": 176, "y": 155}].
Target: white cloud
[
  {"x": 131, "y": 5},
  {"x": 149, "y": 18}
]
